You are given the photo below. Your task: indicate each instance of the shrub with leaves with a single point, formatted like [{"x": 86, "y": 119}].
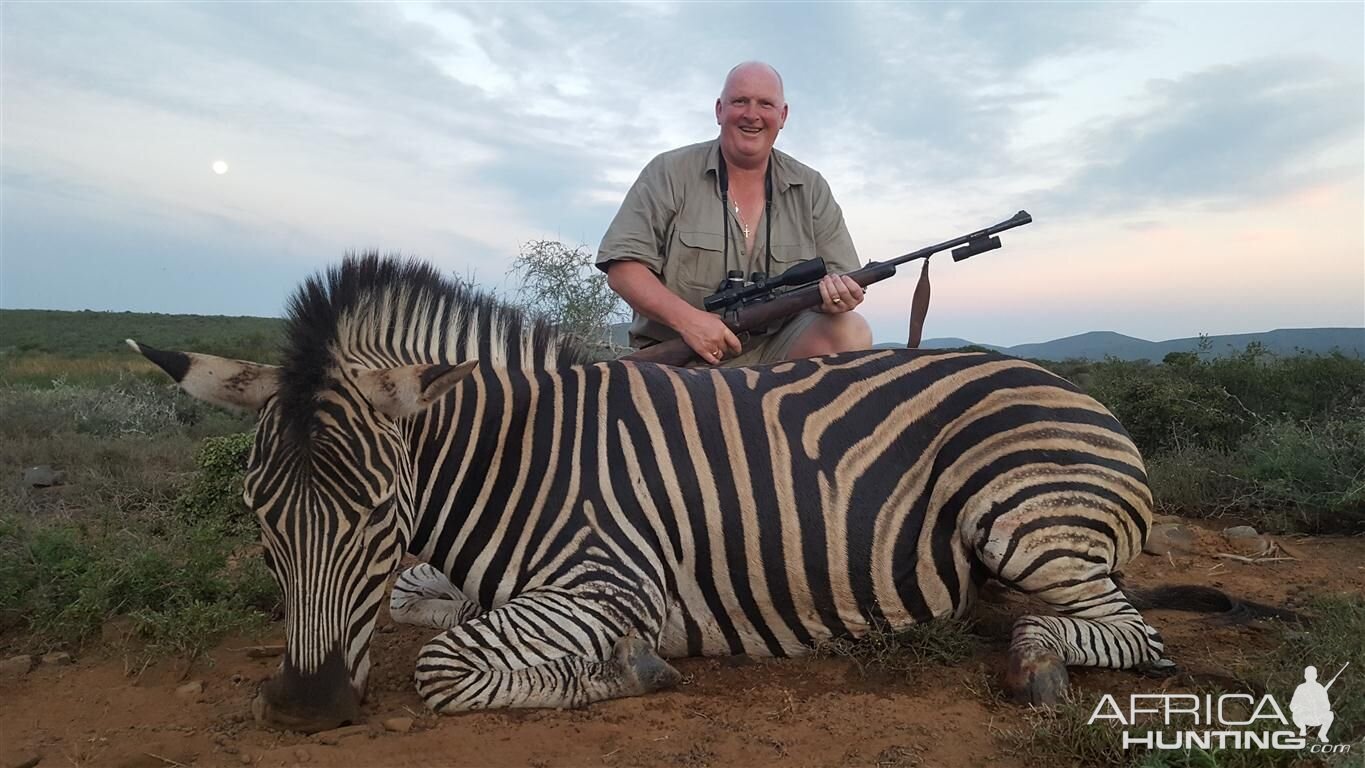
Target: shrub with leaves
[
  {"x": 183, "y": 589},
  {"x": 563, "y": 285},
  {"x": 214, "y": 496}
]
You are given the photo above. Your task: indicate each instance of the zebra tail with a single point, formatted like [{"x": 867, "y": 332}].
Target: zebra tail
[{"x": 1196, "y": 599}]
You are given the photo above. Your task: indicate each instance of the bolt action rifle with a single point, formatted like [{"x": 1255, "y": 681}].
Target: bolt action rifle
[{"x": 748, "y": 306}]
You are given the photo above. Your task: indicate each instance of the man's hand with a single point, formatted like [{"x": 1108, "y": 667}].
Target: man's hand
[
  {"x": 840, "y": 293},
  {"x": 708, "y": 336}
]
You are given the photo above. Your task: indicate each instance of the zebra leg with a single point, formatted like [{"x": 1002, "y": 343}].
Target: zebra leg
[
  {"x": 1098, "y": 627},
  {"x": 423, "y": 596},
  {"x": 538, "y": 650}
]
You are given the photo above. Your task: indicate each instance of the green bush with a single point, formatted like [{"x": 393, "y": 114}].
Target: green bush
[
  {"x": 1312, "y": 470},
  {"x": 1185, "y": 401},
  {"x": 1284, "y": 476},
  {"x": 1280, "y": 441},
  {"x": 214, "y": 495},
  {"x": 183, "y": 590}
]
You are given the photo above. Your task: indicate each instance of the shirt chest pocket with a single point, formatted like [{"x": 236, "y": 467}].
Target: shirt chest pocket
[
  {"x": 697, "y": 262},
  {"x": 789, "y": 255}
]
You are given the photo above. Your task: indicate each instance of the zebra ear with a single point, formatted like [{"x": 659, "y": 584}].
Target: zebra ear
[
  {"x": 222, "y": 381},
  {"x": 410, "y": 389}
]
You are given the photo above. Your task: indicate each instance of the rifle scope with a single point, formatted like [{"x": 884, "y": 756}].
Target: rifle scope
[{"x": 805, "y": 272}]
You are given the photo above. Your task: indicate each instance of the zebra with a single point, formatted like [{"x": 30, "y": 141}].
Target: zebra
[{"x": 578, "y": 523}]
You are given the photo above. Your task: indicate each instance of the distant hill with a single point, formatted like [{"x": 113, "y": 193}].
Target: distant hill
[
  {"x": 1097, "y": 345},
  {"x": 84, "y": 333}
]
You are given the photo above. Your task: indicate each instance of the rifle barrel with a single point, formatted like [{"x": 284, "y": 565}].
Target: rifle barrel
[
  {"x": 1017, "y": 220},
  {"x": 1338, "y": 674}
]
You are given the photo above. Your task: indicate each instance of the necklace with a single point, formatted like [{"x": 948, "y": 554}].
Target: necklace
[
  {"x": 743, "y": 225},
  {"x": 723, "y": 181}
]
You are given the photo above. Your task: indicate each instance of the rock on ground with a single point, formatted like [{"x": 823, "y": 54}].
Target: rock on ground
[
  {"x": 190, "y": 691},
  {"x": 16, "y": 667},
  {"x": 43, "y": 477},
  {"x": 1244, "y": 540},
  {"x": 1169, "y": 538}
]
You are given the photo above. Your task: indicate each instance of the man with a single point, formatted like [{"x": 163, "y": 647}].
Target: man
[{"x": 733, "y": 203}]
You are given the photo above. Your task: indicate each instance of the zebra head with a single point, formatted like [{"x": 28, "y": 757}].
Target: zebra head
[{"x": 329, "y": 479}]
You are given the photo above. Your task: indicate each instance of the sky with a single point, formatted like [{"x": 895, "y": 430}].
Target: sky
[{"x": 1190, "y": 167}]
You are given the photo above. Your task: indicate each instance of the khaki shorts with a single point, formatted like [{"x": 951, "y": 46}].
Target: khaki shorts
[{"x": 771, "y": 347}]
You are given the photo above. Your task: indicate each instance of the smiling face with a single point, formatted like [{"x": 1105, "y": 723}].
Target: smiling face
[{"x": 750, "y": 111}]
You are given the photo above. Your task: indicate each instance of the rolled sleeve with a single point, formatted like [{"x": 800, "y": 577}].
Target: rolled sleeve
[
  {"x": 832, "y": 240},
  {"x": 640, "y": 230}
]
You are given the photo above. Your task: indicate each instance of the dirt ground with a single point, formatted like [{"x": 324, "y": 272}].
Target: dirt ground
[{"x": 739, "y": 711}]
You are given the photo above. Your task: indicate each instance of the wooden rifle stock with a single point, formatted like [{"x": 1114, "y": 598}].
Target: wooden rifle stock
[
  {"x": 764, "y": 313},
  {"x": 758, "y": 316}
]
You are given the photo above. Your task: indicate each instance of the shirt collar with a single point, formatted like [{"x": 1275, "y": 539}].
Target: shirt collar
[{"x": 783, "y": 177}]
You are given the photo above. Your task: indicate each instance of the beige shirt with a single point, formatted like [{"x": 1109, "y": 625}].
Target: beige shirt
[{"x": 671, "y": 222}]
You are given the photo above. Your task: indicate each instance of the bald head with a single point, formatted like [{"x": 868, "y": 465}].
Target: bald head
[
  {"x": 749, "y": 71},
  {"x": 750, "y": 111}
]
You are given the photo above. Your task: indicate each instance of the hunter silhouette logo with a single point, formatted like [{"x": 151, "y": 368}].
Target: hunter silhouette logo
[
  {"x": 1226, "y": 721},
  {"x": 1310, "y": 706}
]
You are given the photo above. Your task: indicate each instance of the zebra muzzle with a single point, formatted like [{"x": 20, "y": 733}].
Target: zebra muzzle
[{"x": 306, "y": 702}]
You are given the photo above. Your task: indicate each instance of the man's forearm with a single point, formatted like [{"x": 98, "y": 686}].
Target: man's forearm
[{"x": 646, "y": 294}]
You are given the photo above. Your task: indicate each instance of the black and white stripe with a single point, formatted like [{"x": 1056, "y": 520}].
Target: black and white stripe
[{"x": 582, "y": 520}]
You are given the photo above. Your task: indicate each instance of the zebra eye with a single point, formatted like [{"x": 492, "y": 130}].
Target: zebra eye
[{"x": 381, "y": 510}]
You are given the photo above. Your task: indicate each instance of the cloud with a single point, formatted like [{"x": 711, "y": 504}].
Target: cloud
[
  {"x": 459, "y": 131},
  {"x": 1221, "y": 137}
]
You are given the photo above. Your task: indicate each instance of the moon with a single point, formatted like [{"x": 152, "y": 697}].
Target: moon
[{"x": 220, "y": 167}]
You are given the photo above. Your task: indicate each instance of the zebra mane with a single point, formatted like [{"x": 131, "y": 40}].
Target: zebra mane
[{"x": 383, "y": 311}]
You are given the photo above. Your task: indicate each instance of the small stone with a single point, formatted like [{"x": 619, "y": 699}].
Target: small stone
[
  {"x": 25, "y": 760},
  {"x": 43, "y": 477},
  {"x": 1244, "y": 540},
  {"x": 16, "y": 667},
  {"x": 335, "y": 735},
  {"x": 190, "y": 691},
  {"x": 245, "y": 759},
  {"x": 1169, "y": 538},
  {"x": 398, "y": 724},
  {"x": 301, "y": 755},
  {"x": 58, "y": 658}
]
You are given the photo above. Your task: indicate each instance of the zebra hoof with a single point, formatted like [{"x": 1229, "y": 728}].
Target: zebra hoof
[
  {"x": 642, "y": 667},
  {"x": 1036, "y": 677},
  {"x": 1159, "y": 669}
]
